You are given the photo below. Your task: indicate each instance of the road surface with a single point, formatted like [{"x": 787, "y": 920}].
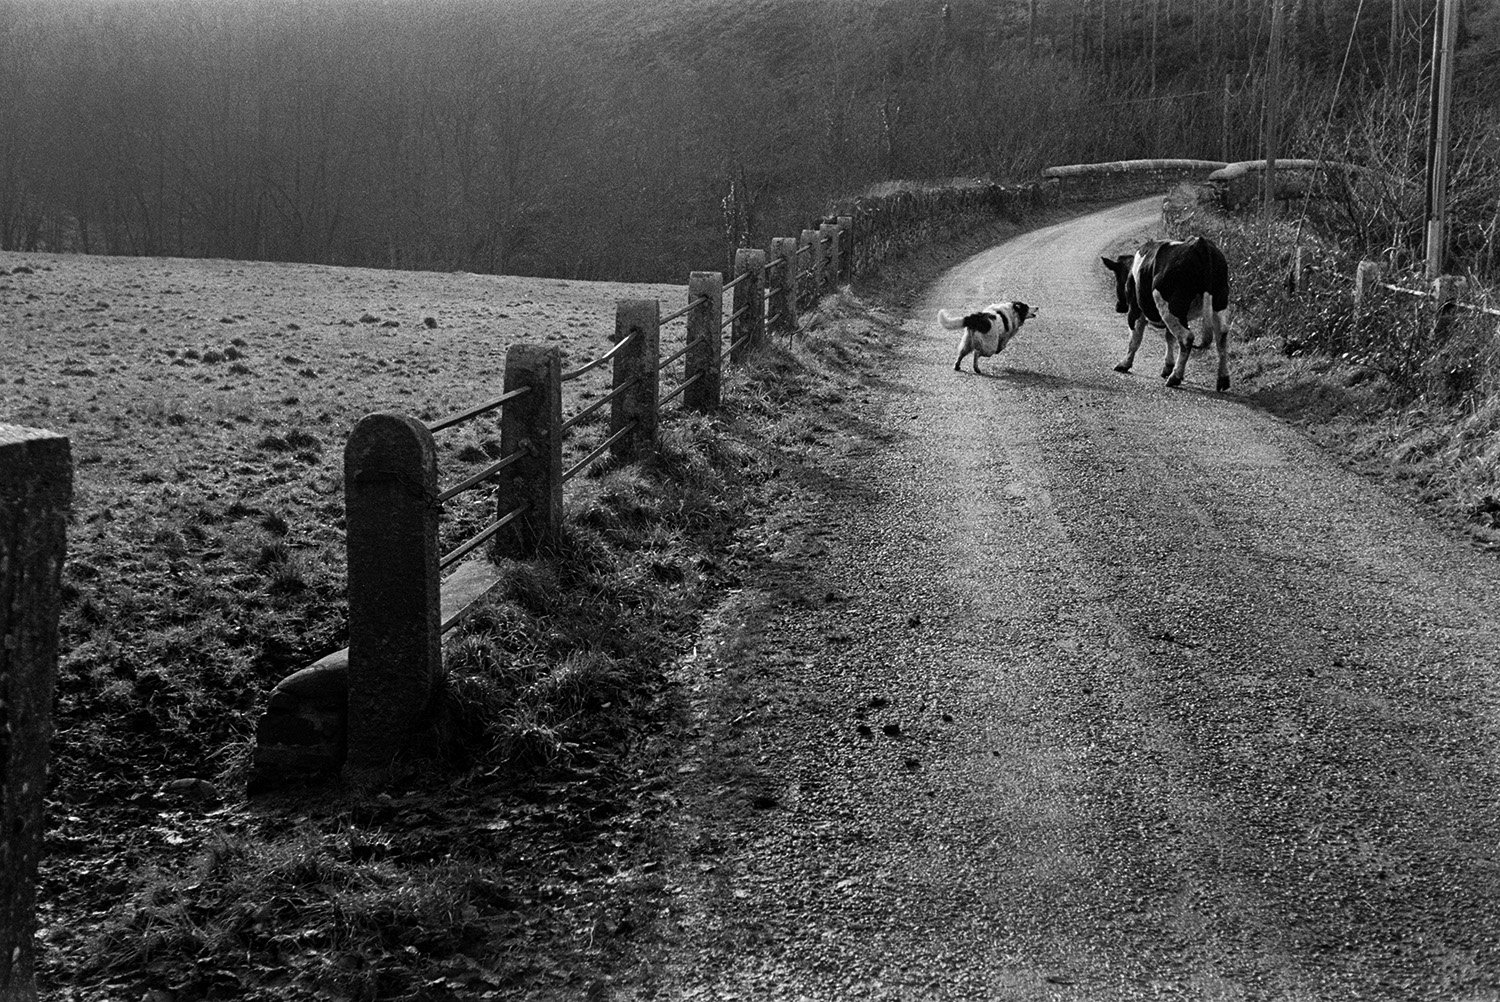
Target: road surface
[{"x": 1076, "y": 687}]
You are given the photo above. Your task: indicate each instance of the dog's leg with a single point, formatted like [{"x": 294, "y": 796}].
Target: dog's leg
[
  {"x": 964, "y": 347},
  {"x": 1220, "y": 326},
  {"x": 1136, "y": 333}
]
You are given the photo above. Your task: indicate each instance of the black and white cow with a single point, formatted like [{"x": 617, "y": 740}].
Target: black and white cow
[{"x": 1164, "y": 284}]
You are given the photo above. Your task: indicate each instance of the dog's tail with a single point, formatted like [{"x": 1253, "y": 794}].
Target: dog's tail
[{"x": 952, "y": 321}]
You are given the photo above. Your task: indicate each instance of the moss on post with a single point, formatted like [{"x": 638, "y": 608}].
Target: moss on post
[
  {"x": 782, "y": 309},
  {"x": 705, "y": 338},
  {"x": 749, "y": 330},
  {"x": 395, "y": 636},
  {"x": 36, "y": 487},
  {"x": 531, "y": 426},
  {"x": 638, "y": 377}
]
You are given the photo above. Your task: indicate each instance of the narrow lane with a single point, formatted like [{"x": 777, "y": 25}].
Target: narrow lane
[{"x": 1118, "y": 692}]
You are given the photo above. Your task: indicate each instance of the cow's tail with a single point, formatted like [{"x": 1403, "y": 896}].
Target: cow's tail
[{"x": 952, "y": 321}]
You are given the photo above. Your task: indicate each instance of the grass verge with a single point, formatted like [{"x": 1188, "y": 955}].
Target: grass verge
[
  {"x": 522, "y": 866},
  {"x": 1384, "y": 391}
]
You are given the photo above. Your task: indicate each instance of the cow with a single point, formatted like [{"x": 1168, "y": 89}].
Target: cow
[{"x": 1164, "y": 284}]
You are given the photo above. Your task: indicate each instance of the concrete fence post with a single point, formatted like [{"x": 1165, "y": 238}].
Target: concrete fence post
[
  {"x": 1366, "y": 277},
  {"x": 783, "y": 302},
  {"x": 395, "y": 635},
  {"x": 814, "y": 273},
  {"x": 36, "y": 486},
  {"x": 847, "y": 254},
  {"x": 749, "y": 329},
  {"x": 531, "y": 425},
  {"x": 705, "y": 338},
  {"x": 637, "y": 367},
  {"x": 830, "y": 232}
]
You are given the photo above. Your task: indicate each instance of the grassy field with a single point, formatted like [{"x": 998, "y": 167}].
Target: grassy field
[{"x": 207, "y": 403}]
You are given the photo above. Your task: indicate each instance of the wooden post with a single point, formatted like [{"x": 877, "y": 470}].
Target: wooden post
[
  {"x": 705, "y": 337},
  {"x": 1446, "y": 291},
  {"x": 783, "y": 283},
  {"x": 1365, "y": 279},
  {"x": 830, "y": 232},
  {"x": 395, "y": 632},
  {"x": 847, "y": 252},
  {"x": 749, "y": 331},
  {"x": 531, "y": 425},
  {"x": 809, "y": 239},
  {"x": 637, "y": 367},
  {"x": 36, "y": 486}
]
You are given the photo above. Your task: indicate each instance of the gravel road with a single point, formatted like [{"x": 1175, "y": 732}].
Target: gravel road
[{"x": 1059, "y": 684}]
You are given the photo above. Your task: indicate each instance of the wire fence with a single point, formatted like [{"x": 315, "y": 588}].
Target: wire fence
[{"x": 1457, "y": 304}]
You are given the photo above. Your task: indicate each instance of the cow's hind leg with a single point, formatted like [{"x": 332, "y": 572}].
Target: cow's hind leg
[
  {"x": 1169, "y": 361},
  {"x": 1136, "y": 333},
  {"x": 1220, "y": 326},
  {"x": 1185, "y": 348},
  {"x": 1177, "y": 332}
]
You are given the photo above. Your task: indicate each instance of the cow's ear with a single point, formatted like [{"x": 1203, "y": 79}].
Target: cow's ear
[{"x": 1108, "y": 263}]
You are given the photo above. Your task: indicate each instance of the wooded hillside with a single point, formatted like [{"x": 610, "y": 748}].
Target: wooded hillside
[{"x": 632, "y": 140}]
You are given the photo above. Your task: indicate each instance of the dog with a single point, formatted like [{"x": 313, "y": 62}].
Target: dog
[{"x": 987, "y": 331}]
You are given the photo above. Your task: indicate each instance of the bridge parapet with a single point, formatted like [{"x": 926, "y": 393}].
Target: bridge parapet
[
  {"x": 1241, "y": 183},
  {"x": 1126, "y": 178}
]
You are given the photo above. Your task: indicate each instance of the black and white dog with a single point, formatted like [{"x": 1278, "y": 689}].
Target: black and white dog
[
  {"x": 1165, "y": 284},
  {"x": 988, "y": 331}
]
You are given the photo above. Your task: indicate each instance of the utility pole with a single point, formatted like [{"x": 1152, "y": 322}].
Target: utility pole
[
  {"x": 1224, "y": 138},
  {"x": 1153, "y": 47},
  {"x": 1395, "y": 63},
  {"x": 1273, "y": 110},
  {"x": 1444, "y": 41}
]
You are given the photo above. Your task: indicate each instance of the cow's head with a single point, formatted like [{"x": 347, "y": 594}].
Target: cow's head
[{"x": 1121, "y": 267}]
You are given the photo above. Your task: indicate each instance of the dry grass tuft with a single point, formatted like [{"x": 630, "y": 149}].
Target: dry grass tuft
[{"x": 1407, "y": 402}]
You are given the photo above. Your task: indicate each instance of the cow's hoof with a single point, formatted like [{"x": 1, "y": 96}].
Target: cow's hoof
[
  {"x": 1174, "y": 381},
  {"x": 1223, "y": 383},
  {"x": 958, "y": 368},
  {"x": 1122, "y": 367}
]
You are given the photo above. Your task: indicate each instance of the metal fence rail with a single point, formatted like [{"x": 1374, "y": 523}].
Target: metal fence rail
[
  {"x": 598, "y": 451},
  {"x": 476, "y": 410},
  {"x": 568, "y": 377},
  {"x": 484, "y": 535}
]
